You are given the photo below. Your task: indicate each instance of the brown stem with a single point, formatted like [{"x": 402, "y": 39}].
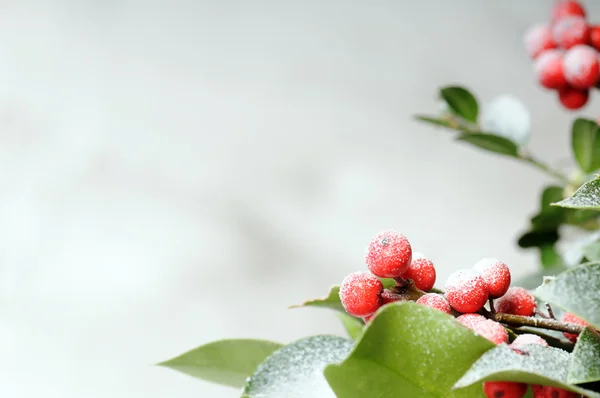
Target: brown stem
[
  {"x": 550, "y": 312},
  {"x": 406, "y": 290},
  {"x": 550, "y": 324},
  {"x": 492, "y": 308}
]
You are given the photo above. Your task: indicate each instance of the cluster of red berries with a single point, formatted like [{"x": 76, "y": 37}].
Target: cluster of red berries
[
  {"x": 565, "y": 53},
  {"x": 467, "y": 291}
]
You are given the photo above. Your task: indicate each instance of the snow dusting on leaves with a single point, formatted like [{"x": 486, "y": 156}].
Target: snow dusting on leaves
[
  {"x": 585, "y": 362},
  {"x": 586, "y": 197}
]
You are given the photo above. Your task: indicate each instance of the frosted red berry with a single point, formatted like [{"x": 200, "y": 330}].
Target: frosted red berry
[
  {"x": 388, "y": 255},
  {"x": 548, "y": 68},
  {"x": 491, "y": 330},
  {"x": 594, "y": 39},
  {"x": 422, "y": 271},
  {"x": 572, "y": 98},
  {"x": 551, "y": 392},
  {"x": 360, "y": 294},
  {"x": 471, "y": 320},
  {"x": 567, "y": 8},
  {"x": 572, "y": 318},
  {"x": 570, "y": 31},
  {"x": 523, "y": 340},
  {"x": 495, "y": 274},
  {"x": 466, "y": 291},
  {"x": 436, "y": 301},
  {"x": 516, "y": 301},
  {"x": 538, "y": 39},
  {"x": 581, "y": 66},
  {"x": 504, "y": 389}
]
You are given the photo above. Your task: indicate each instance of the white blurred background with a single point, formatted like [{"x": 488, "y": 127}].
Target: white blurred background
[{"x": 177, "y": 172}]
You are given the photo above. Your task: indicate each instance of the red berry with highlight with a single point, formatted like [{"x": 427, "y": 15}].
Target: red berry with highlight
[
  {"x": 548, "y": 68},
  {"x": 360, "y": 294},
  {"x": 389, "y": 254},
  {"x": 523, "y": 340},
  {"x": 595, "y": 37},
  {"x": 504, "y": 389},
  {"x": 436, "y": 301},
  {"x": 516, "y": 301},
  {"x": 466, "y": 291},
  {"x": 571, "y": 31},
  {"x": 538, "y": 39},
  {"x": 581, "y": 66},
  {"x": 572, "y": 318},
  {"x": 471, "y": 320},
  {"x": 492, "y": 330},
  {"x": 567, "y": 8},
  {"x": 572, "y": 98},
  {"x": 421, "y": 271},
  {"x": 495, "y": 274},
  {"x": 551, "y": 392}
]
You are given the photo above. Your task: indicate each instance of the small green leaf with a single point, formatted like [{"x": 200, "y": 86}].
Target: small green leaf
[
  {"x": 411, "y": 350},
  {"x": 549, "y": 257},
  {"x": 540, "y": 365},
  {"x": 586, "y": 197},
  {"x": 592, "y": 251},
  {"x": 585, "y": 141},
  {"x": 537, "y": 238},
  {"x": 576, "y": 290},
  {"x": 296, "y": 370},
  {"x": 461, "y": 102},
  {"x": 585, "y": 361},
  {"x": 435, "y": 121},
  {"x": 490, "y": 142},
  {"x": 354, "y": 326},
  {"x": 226, "y": 362}
]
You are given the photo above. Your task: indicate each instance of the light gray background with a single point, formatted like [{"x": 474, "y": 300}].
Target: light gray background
[{"x": 173, "y": 173}]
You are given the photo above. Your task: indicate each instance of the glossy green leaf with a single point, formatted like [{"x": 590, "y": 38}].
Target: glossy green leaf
[
  {"x": 412, "y": 350},
  {"x": 585, "y": 141},
  {"x": 354, "y": 326},
  {"x": 296, "y": 370},
  {"x": 490, "y": 142},
  {"x": 461, "y": 102},
  {"x": 227, "y": 362},
  {"x": 547, "y": 366},
  {"x": 586, "y": 197},
  {"x": 576, "y": 290},
  {"x": 537, "y": 238},
  {"x": 585, "y": 361}
]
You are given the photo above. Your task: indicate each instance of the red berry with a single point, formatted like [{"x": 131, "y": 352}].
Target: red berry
[
  {"x": 571, "y": 31},
  {"x": 388, "y": 254},
  {"x": 360, "y": 294},
  {"x": 466, "y": 291},
  {"x": 567, "y": 9},
  {"x": 581, "y": 66},
  {"x": 548, "y": 68},
  {"x": 504, "y": 389},
  {"x": 436, "y": 301},
  {"x": 516, "y": 301},
  {"x": 551, "y": 392},
  {"x": 572, "y": 318},
  {"x": 523, "y": 340},
  {"x": 491, "y": 330},
  {"x": 471, "y": 320},
  {"x": 421, "y": 271},
  {"x": 573, "y": 98},
  {"x": 495, "y": 274},
  {"x": 537, "y": 39},
  {"x": 387, "y": 296},
  {"x": 595, "y": 37}
]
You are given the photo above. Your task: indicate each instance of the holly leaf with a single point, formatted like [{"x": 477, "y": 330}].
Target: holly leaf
[
  {"x": 541, "y": 365},
  {"x": 227, "y": 362},
  {"x": 409, "y": 349},
  {"x": 461, "y": 102},
  {"x": 585, "y": 141},
  {"x": 296, "y": 370},
  {"x": 585, "y": 360},
  {"x": 576, "y": 290},
  {"x": 490, "y": 142},
  {"x": 354, "y": 326},
  {"x": 586, "y": 197}
]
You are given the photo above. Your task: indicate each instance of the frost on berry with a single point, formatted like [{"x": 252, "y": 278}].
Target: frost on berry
[
  {"x": 523, "y": 340},
  {"x": 471, "y": 320},
  {"x": 548, "y": 68},
  {"x": 567, "y": 8},
  {"x": 491, "y": 330},
  {"x": 388, "y": 254},
  {"x": 572, "y": 98},
  {"x": 504, "y": 389},
  {"x": 466, "y": 291},
  {"x": 436, "y": 301},
  {"x": 581, "y": 66},
  {"x": 537, "y": 39},
  {"x": 360, "y": 294},
  {"x": 572, "y": 318},
  {"x": 516, "y": 301},
  {"x": 570, "y": 31},
  {"x": 495, "y": 274},
  {"x": 421, "y": 271}
]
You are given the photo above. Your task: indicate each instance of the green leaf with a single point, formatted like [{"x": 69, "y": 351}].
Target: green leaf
[
  {"x": 549, "y": 257},
  {"x": 537, "y": 238},
  {"x": 585, "y": 141},
  {"x": 540, "y": 365},
  {"x": 461, "y": 102},
  {"x": 551, "y": 194},
  {"x": 492, "y": 143},
  {"x": 436, "y": 121},
  {"x": 354, "y": 326},
  {"x": 296, "y": 370},
  {"x": 576, "y": 290},
  {"x": 227, "y": 362},
  {"x": 412, "y": 350},
  {"x": 585, "y": 361},
  {"x": 586, "y": 197},
  {"x": 592, "y": 251}
]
